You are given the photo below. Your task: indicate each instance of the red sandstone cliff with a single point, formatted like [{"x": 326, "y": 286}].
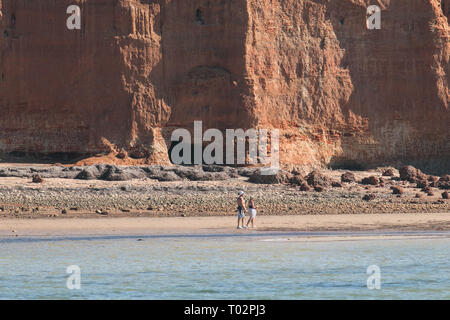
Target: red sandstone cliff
[{"x": 137, "y": 69}]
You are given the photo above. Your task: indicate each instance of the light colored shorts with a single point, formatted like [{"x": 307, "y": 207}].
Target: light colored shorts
[
  {"x": 252, "y": 212},
  {"x": 241, "y": 213}
]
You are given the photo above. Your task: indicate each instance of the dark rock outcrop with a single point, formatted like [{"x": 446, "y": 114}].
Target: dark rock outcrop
[
  {"x": 397, "y": 190},
  {"x": 316, "y": 179},
  {"x": 411, "y": 174},
  {"x": 280, "y": 176},
  {"x": 369, "y": 197},
  {"x": 372, "y": 180},
  {"x": 348, "y": 177}
]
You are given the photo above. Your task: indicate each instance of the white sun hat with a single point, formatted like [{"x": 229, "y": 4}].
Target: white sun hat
[{"x": 241, "y": 193}]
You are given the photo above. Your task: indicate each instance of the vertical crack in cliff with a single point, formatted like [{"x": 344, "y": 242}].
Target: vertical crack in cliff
[{"x": 199, "y": 17}]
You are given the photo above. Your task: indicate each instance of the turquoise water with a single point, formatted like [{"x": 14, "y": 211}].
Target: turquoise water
[{"x": 224, "y": 267}]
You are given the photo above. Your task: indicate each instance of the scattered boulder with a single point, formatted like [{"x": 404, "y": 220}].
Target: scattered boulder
[
  {"x": 280, "y": 176},
  {"x": 37, "y": 178},
  {"x": 369, "y": 197},
  {"x": 232, "y": 173},
  {"x": 194, "y": 173},
  {"x": 444, "y": 182},
  {"x": 297, "y": 180},
  {"x": 246, "y": 172},
  {"x": 418, "y": 195},
  {"x": 407, "y": 173},
  {"x": 213, "y": 168},
  {"x": 113, "y": 173},
  {"x": 372, "y": 180},
  {"x": 411, "y": 174},
  {"x": 319, "y": 188},
  {"x": 348, "y": 177},
  {"x": 316, "y": 179},
  {"x": 190, "y": 173},
  {"x": 336, "y": 184},
  {"x": 433, "y": 180},
  {"x": 397, "y": 190},
  {"x": 167, "y": 176},
  {"x": 388, "y": 173},
  {"x": 214, "y": 176},
  {"x": 88, "y": 173},
  {"x": 298, "y": 171},
  {"x": 159, "y": 174},
  {"x": 305, "y": 187},
  {"x": 221, "y": 170},
  {"x": 422, "y": 184},
  {"x": 445, "y": 195}
]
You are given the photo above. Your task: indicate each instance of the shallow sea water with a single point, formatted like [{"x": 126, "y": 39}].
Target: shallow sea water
[{"x": 224, "y": 267}]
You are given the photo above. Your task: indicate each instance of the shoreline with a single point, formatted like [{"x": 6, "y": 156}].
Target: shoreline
[{"x": 221, "y": 225}]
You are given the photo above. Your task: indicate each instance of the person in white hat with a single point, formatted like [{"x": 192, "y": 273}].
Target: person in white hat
[{"x": 241, "y": 210}]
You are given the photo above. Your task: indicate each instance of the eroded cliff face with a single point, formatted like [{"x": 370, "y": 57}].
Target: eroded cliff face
[
  {"x": 347, "y": 95},
  {"x": 79, "y": 90},
  {"x": 339, "y": 93}
]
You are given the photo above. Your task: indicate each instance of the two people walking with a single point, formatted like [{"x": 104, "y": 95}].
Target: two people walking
[{"x": 241, "y": 210}]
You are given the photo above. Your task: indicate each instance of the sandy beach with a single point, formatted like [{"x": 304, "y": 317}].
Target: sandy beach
[{"x": 221, "y": 224}]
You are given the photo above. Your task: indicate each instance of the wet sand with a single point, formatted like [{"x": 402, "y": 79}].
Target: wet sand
[{"x": 222, "y": 224}]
